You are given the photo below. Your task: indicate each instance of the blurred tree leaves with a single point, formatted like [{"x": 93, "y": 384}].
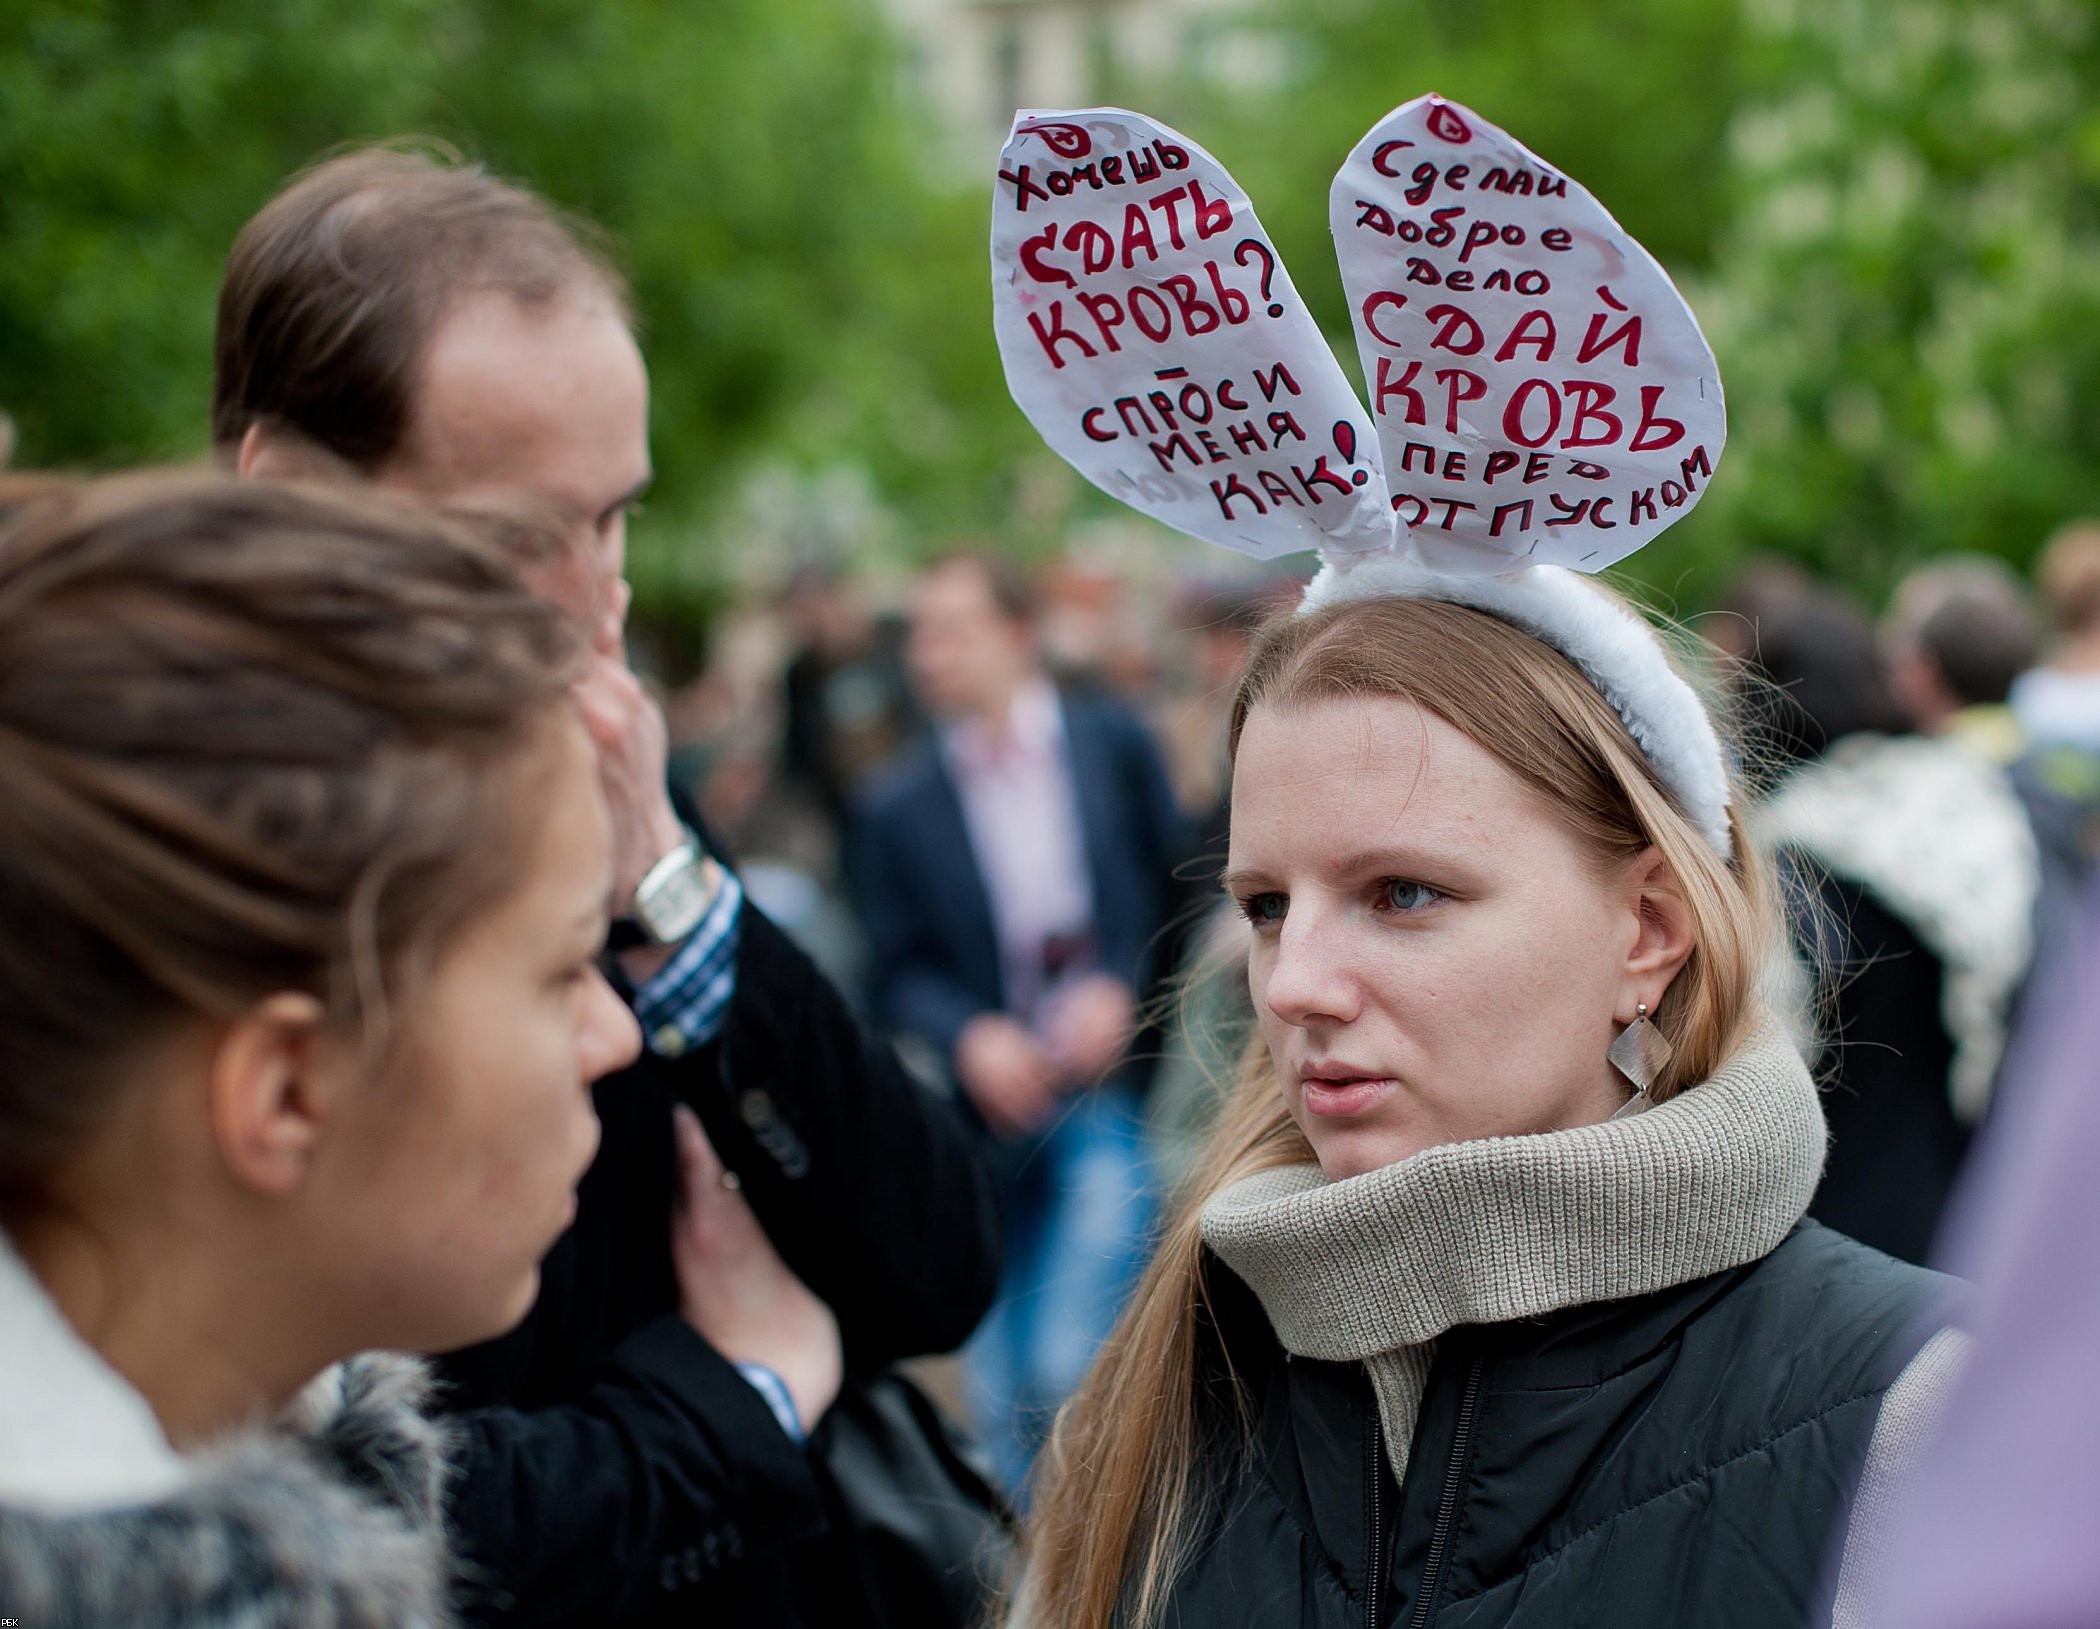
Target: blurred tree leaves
[
  {"x": 1906, "y": 297},
  {"x": 1887, "y": 213},
  {"x": 806, "y": 292},
  {"x": 1632, "y": 96},
  {"x": 134, "y": 140}
]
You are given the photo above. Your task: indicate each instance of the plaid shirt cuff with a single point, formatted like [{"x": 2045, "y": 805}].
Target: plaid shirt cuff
[{"x": 683, "y": 1005}]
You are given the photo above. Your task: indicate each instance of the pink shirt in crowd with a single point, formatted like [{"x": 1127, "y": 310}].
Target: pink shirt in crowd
[{"x": 1022, "y": 813}]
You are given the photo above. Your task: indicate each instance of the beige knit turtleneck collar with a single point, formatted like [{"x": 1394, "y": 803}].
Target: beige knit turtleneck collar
[{"x": 1374, "y": 1268}]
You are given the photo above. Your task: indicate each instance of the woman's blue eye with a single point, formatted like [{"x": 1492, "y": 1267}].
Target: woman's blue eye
[
  {"x": 1398, "y": 894},
  {"x": 1264, "y": 909}
]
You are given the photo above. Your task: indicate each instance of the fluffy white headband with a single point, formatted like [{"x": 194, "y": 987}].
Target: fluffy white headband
[{"x": 1615, "y": 648}]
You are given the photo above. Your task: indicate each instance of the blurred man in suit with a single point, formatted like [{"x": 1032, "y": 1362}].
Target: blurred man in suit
[{"x": 1012, "y": 875}]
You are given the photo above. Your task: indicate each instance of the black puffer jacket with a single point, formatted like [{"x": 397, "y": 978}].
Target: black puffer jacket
[{"x": 1676, "y": 1459}]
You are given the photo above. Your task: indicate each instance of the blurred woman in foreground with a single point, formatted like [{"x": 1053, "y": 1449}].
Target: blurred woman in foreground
[
  {"x": 303, "y": 874},
  {"x": 1491, "y": 1301}
]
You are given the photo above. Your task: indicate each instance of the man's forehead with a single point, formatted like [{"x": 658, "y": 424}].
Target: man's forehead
[
  {"x": 957, "y": 587},
  {"x": 548, "y": 398}
]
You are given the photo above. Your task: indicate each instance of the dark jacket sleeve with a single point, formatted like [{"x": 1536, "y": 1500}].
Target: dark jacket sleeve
[
  {"x": 911, "y": 985},
  {"x": 1895, "y": 1142},
  {"x": 655, "y": 1477},
  {"x": 875, "y": 1189},
  {"x": 605, "y": 1447}
]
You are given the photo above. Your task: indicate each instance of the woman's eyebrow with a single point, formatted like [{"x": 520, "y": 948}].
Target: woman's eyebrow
[{"x": 1366, "y": 862}]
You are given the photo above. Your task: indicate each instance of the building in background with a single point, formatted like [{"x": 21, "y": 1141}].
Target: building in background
[{"x": 976, "y": 61}]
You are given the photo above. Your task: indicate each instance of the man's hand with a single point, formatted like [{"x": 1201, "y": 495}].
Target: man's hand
[
  {"x": 1007, "y": 1074},
  {"x": 1088, "y": 1027},
  {"x": 737, "y": 1292},
  {"x": 627, "y": 728}
]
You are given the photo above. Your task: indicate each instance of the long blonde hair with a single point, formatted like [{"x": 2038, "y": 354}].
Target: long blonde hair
[{"x": 1119, "y": 1504}]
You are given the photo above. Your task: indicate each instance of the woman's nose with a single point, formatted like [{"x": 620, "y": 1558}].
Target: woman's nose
[{"x": 1310, "y": 977}]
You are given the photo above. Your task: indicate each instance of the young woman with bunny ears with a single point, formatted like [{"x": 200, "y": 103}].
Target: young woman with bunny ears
[{"x": 1491, "y": 1301}]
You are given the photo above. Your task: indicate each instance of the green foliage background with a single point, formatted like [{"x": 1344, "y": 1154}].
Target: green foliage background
[
  {"x": 1886, "y": 211},
  {"x": 807, "y": 293}
]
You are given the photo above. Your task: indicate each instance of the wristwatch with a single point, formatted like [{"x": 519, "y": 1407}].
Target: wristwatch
[{"x": 672, "y": 900}]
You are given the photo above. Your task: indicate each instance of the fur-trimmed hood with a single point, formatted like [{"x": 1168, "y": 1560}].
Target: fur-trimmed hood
[
  {"x": 1938, "y": 836},
  {"x": 328, "y": 1519}
]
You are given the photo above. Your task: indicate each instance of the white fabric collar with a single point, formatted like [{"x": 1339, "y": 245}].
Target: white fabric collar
[
  {"x": 2058, "y": 708},
  {"x": 1034, "y": 725},
  {"x": 74, "y": 1434}
]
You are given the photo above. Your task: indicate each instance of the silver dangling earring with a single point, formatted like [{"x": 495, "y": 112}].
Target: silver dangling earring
[{"x": 1641, "y": 1054}]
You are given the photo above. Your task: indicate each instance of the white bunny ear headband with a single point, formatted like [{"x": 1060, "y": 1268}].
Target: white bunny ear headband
[{"x": 1543, "y": 402}]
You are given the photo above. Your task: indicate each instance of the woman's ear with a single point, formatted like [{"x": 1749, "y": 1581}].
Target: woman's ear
[
  {"x": 1664, "y": 938},
  {"x": 268, "y": 1092}
]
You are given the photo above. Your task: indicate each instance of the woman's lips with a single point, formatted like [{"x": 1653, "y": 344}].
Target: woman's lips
[{"x": 1340, "y": 1098}]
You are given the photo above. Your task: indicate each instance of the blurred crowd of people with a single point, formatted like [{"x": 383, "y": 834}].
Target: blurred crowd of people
[
  {"x": 1929, "y": 777},
  {"x": 1932, "y": 789}
]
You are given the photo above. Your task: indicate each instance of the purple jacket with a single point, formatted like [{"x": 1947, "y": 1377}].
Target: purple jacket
[{"x": 2001, "y": 1529}]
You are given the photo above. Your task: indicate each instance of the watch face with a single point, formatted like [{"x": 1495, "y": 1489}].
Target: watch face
[{"x": 671, "y": 901}]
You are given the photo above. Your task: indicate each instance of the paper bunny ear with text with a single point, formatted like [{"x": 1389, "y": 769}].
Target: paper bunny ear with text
[
  {"x": 1541, "y": 395},
  {"x": 1542, "y": 392},
  {"x": 1150, "y": 332}
]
